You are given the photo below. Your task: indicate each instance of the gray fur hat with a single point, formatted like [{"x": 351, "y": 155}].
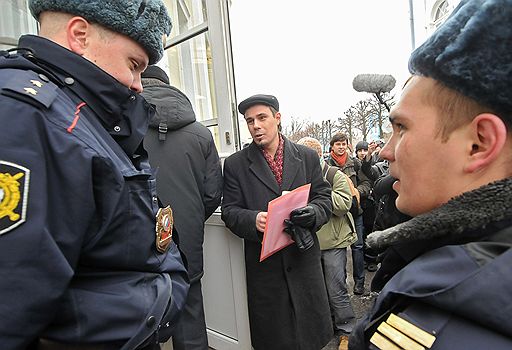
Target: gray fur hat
[
  {"x": 472, "y": 53},
  {"x": 145, "y": 21}
]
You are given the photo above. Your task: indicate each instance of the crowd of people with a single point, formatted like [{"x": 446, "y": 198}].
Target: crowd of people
[{"x": 100, "y": 251}]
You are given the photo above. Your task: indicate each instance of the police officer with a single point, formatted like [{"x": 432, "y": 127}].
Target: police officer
[
  {"x": 83, "y": 262},
  {"x": 448, "y": 273}
]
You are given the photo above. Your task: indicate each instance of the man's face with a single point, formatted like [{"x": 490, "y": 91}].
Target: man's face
[
  {"x": 340, "y": 147},
  {"x": 262, "y": 125},
  {"x": 120, "y": 56},
  {"x": 429, "y": 172},
  {"x": 361, "y": 153}
]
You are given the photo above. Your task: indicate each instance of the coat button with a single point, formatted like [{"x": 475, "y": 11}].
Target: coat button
[
  {"x": 150, "y": 322},
  {"x": 288, "y": 269},
  {"x": 69, "y": 81},
  {"x": 132, "y": 97},
  {"x": 117, "y": 128},
  {"x": 43, "y": 77}
]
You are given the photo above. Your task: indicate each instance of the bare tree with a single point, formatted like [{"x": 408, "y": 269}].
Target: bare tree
[
  {"x": 360, "y": 117},
  {"x": 379, "y": 112},
  {"x": 346, "y": 125},
  {"x": 293, "y": 126}
]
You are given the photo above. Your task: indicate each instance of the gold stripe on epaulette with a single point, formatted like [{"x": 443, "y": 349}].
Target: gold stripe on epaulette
[
  {"x": 398, "y": 338},
  {"x": 382, "y": 343},
  {"x": 411, "y": 330}
]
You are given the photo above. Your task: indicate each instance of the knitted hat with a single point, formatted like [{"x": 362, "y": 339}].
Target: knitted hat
[
  {"x": 362, "y": 145},
  {"x": 155, "y": 72},
  {"x": 145, "y": 21},
  {"x": 471, "y": 53}
]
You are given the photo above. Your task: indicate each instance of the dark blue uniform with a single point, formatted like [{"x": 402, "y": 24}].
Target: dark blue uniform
[
  {"x": 453, "y": 297},
  {"x": 78, "y": 258}
]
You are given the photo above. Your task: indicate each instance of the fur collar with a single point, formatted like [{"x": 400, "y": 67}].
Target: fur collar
[{"x": 462, "y": 214}]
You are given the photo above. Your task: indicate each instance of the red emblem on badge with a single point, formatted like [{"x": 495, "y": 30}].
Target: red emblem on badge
[{"x": 164, "y": 224}]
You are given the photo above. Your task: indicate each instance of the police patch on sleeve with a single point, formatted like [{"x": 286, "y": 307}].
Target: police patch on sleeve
[{"x": 14, "y": 181}]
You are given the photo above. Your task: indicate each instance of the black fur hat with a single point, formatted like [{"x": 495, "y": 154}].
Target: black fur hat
[{"x": 472, "y": 53}]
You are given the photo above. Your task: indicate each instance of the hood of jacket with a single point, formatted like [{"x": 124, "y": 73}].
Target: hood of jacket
[
  {"x": 172, "y": 107},
  {"x": 459, "y": 218}
]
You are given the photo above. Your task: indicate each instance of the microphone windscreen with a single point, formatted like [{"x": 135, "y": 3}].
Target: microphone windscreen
[{"x": 373, "y": 83}]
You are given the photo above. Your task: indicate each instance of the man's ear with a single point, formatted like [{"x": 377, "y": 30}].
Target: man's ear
[
  {"x": 489, "y": 135},
  {"x": 78, "y": 31}
]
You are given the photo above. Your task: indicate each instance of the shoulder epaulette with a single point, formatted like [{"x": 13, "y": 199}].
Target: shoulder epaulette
[{"x": 28, "y": 86}]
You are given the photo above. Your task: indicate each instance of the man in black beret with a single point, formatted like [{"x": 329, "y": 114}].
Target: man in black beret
[
  {"x": 288, "y": 304},
  {"x": 448, "y": 278},
  {"x": 88, "y": 260}
]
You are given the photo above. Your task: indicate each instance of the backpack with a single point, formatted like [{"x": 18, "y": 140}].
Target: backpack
[{"x": 329, "y": 172}]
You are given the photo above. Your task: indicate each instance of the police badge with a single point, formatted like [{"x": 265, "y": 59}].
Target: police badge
[
  {"x": 14, "y": 181},
  {"x": 164, "y": 224}
]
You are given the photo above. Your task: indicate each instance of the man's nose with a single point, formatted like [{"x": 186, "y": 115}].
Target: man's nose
[
  {"x": 137, "y": 85},
  {"x": 387, "y": 152}
]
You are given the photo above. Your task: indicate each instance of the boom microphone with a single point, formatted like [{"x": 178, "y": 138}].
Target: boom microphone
[{"x": 373, "y": 83}]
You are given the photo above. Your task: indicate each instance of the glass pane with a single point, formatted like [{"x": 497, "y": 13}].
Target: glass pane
[
  {"x": 15, "y": 20},
  {"x": 189, "y": 66},
  {"x": 185, "y": 14}
]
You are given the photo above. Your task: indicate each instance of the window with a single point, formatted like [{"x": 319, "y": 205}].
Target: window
[
  {"x": 15, "y": 20},
  {"x": 440, "y": 13}
]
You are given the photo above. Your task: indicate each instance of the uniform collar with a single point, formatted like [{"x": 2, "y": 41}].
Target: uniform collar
[
  {"x": 122, "y": 112},
  {"x": 463, "y": 217}
]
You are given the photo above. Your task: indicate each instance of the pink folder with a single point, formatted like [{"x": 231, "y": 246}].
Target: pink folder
[{"x": 274, "y": 237}]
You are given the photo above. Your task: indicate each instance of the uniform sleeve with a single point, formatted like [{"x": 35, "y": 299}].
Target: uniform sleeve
[
  {"x": 341, "y": 195},
  {"x": 239, "y": 220},
  {"x": 40, "y": 237},
  {"x": 212, "y": 181}
]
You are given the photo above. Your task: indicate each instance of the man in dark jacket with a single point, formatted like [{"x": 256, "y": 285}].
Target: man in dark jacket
[
  {"x": 189, "y": 178},
  {"x": 450, "y": 284},
  {"x": 288, "y": 304},
  {"x": 83, "y": 262}
]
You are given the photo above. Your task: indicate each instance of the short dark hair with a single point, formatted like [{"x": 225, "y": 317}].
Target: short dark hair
[{"x": 338, "y": 137}]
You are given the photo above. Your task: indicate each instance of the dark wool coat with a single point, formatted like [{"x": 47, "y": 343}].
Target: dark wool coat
[
  {"x": 450, "y": 272},
  {"x": 288, "y": 305}
]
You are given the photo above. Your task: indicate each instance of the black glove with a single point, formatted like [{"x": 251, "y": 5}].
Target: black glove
[
  {"x": 304, "y": 217},
  {"x": 301, "y": 235}
]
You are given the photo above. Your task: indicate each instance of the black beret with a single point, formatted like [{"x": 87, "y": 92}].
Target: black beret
[
  {"x": 471, "y": 53},
  {"x": 267, "y": 100},
  {"x": 155, "y": 72},
  {"x": 145, "y": 21}
]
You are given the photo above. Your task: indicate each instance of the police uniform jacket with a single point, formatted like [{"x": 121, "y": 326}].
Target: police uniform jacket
[
  {"x": 449, "y": 277},
  {"x": 78, "y": 259},
  {"x": 288, "y": 305},
  {"x": 189, "y": 176}
]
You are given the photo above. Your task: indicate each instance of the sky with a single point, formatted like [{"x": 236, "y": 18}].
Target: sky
[{"x": 307, "y": 53}]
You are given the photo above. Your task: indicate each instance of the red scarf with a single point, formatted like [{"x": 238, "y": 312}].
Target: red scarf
[
  {"x": 340, "y": 160},
  {"x": 276, "y": 163}
]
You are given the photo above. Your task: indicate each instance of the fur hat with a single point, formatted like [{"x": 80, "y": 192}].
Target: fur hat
[
  {"x": 145, "y": 21},
  {"x": 472, "y": 53}
]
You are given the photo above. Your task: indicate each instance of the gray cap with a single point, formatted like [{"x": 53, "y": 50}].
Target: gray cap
[
  {"x": 267, "y": 100},
  {"x": 471, "y": 53},
  {"x": 145, "y": 21}
]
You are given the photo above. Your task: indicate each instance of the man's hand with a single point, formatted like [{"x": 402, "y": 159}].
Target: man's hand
[
  {"x": 261, "y": 221},
  {"x": 304, "y": 217},
  {"x": 302, "y": 236}
]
